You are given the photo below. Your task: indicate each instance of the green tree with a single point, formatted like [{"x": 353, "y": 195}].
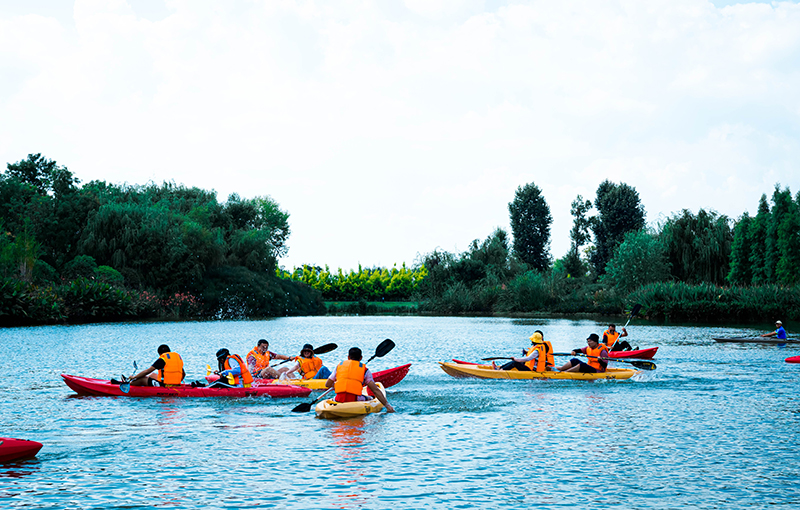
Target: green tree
[
  {"x": 579, "y": 235},
  {"x": 741, "y": 272},
  {"x": 782, "y": 204},
  {"x": 758, "y": 241},
  {"x": 787, "y": 270},
  {"x": 619, "y": 211},
  {"x": 640, "y": 259},
  {"x": 698, "y": 246},
  {"x": 530, "y": 224}
]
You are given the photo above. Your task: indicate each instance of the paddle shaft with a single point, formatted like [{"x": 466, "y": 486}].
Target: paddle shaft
[
  {"x": 322, "y": 349},
  {"x": 644, "y": 365},
  {"x": 634, "y": 311}
]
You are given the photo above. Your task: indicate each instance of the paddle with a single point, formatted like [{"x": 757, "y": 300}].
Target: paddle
[
  {"x": 322, "y": 349},
  {"x": 380, "y": 351},
  {"x": 644, "y": 365},
  {"x": 126, "y": 386},
  {"x": 494, "y": 358},
  {"x": 634, "y": 311}
]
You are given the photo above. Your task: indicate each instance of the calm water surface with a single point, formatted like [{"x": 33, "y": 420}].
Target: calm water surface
[{"x": 716, "y": 426}]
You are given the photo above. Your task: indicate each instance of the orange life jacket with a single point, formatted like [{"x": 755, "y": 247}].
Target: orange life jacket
[
  {"x": 595, "y": 361},
  {"x": 246, "y": 376},
  {"x": 610, "y": 338},
  {"x": 262, "y": 360},
  {"x": 172, "y": 373},
  {"x": 350, "y": 377},
  {"x": 545, "y": 358},
  {"x": 309, "y": 366}
]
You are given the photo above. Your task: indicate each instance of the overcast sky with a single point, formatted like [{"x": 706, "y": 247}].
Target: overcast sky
[{"x": 388, "y": 129}]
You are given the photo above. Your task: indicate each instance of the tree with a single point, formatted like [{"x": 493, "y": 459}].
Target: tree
[
  {"x": 36, "y": 170},
  {"x": 741, "y": 273},
  {"x": 530, "y": 224},
  {"x": 698, "y": 246},
  {"x": 640, "y": 259},
  {"x": 787, "y": 270},
  {"x": 579, "y": 235},
  {"x": 619, "y": 211},
  {"x": 758, "y": 240},
  {"x": 782, "y": 204}
]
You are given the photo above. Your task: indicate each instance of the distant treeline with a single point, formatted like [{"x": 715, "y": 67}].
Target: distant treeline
[
  {"x": 101, "y": 251},
  {"x": 377, "y": 284}
]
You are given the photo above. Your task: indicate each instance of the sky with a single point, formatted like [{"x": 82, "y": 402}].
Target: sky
[{"x": 389, "y": 129}]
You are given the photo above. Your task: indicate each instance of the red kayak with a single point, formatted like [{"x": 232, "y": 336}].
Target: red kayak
[
  {"x": 100, "y": 387},
  {"x": 16, "y": 449},
  {"x": 793, "y": 359},
  {"x": 640, "y": 354},
  {"x": 388, "y": 378}
]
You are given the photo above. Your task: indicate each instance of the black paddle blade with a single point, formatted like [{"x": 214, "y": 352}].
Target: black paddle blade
[
  {"x": 382, "y": 350},
  {"x": 494, "y": 358},
  {"x": 635, "y": 309},
  {"x": 302, "y": 408},
  {"x": 644, "y": 365},
  {"x": 322, "y": 349}
]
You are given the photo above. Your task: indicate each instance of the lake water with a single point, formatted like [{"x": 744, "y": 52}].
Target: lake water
[{"x": 715, "y": 426}]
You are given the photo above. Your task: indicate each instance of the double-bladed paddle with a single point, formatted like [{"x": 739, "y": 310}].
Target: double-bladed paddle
[
  {"x": 322, "y": 349},
  {"x": 380, "y": 351},
  {"x": 634, "y": 311},
  {"x": 644, "y": 365},
  {"x": 126, "y": 386}
]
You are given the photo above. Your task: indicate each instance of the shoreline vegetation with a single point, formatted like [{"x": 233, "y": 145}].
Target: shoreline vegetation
[{"x": 72, "y": 253}]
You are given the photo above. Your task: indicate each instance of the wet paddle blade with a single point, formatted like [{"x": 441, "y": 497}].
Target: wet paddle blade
[
  {"x": 635, "y": 309},
  {"x": 302, "y": 408},
  {"x": 322, "y": 349},
  {"x": 382, "y": 350},
  {"x": 644, "y": 365},
  {"x": 125, "y": 387}
]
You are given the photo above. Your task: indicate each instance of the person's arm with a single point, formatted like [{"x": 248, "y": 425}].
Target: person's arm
[
  {"x": 770, "y": 334},
  {"x": 281, "y": 356},
  {"x": 533, "y": 356},
  {"x": 380, "y": 396},
  {"x": 332, "y": 379},
  {"x": 294, "y": 368},
  {"x": 251, "y": 364},
  {"x": 579, "y": 349},
  {"x": 144, "y": 373},
  {"x": 624, "y": 333}
]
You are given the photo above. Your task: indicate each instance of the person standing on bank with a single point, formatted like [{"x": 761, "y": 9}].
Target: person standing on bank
[
  {"x": 597, "y": 358},
  {"x": 350, "y": 377},
  {"x": 779, "y": 332}
]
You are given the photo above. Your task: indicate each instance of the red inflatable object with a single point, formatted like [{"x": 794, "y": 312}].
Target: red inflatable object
[
  {"x": 793, "y": 359},
  {"x": 100, "y": 387},
  {"x": 16, "y": 449}
]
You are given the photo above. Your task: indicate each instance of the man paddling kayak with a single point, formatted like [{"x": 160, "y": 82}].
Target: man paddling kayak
[
  {"x": 308, "y": 365},
  {"x": 168, "y": 368},
  {"x": 539, "y": 357},
  {"x": 350, "y": 377},
  {"x": 779, "y": 332},
  {"x": 611, "y": 337},
  {"x": 597, "y": 358},
  {"x": 258, "y": 361}
]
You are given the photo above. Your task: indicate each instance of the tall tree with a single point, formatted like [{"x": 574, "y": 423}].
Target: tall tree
[
  {"x": 741, "y": 272},
  {"x": 787, "y": 270},
  {"x": 639, "y": 260},
  {"x": 758, "y": 240},
  {"x": 619, "y": 211},
  {"x": 781, "y": 206},
  {"x": 530, "y": 224},
  {"x": 579, "y": 235},
  {"x": 698, "y": 246}
]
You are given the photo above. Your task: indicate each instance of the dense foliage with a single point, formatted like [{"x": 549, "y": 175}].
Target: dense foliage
[
  {"x": 530, "y": 224},
  {"x": 377, "y": 284},
  {"x": 79, "y": 253},
  {"x": 619, "y": 211}
]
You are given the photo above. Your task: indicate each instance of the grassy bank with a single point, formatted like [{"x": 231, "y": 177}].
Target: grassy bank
[{"x": 372, "y": 307}]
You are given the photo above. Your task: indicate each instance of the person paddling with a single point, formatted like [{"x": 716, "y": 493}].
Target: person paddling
[
  {"x": 597, "y": 360},
  {"x": 308, "y": 365},
  {"x": 238, "y": 369},
  {"x": 779, "y": 332},
  {"x": 539, "y": 357},
  {"x": 350, "y": 377},
  {"x": 258, "y": 361},
  {"x": 168, "y": 368},
  {"x": 611, "y": 337}
]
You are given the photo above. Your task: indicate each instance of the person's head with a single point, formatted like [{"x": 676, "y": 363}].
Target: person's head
[
  {"x": 222, "y": 355},
  {"x": 612, "y": 327},
  {"x": 163, "y": 348},
  {"x": 593, "y": 341},
  {"x": 262, "y": 346},
  {"x": 778, "y": 323},
  {"x": 537, "y": 337},
  {"x": 354, "y": 354},
  {"x": 307, "y": 351}
]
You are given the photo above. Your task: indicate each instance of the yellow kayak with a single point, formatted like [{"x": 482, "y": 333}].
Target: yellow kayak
[
  {"x": 487, "y": 372},
  {"x": 332, "y": 409}
]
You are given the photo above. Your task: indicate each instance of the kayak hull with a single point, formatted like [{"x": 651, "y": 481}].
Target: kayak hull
[
  {"x": 758, "y": 340},
  {"x": 330, "y": 409},
  {"x": 100, "y": 387},
  {"x": 487, "y": 372},
  {"x": 793, "y": 359},
  {"x": 638, "y": 354},
  {"x": 388, "y": 378},
  {"x": 17, "y": 449}
]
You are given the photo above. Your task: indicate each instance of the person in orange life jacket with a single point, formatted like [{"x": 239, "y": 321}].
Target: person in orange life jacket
[
  {"x": 538, "y": 358},
  {"x": 611, "y": 336},
  {"x": 350, "y": 377},
  {"x": 258, "y": 361},
  {"x": 597, "y": 363},
  {"x": 309, "y": 366},
  {"x": 168, "y": 370},
  {"x": 234, "y": 365}
]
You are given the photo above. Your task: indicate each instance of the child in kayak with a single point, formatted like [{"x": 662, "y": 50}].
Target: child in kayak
[
  {"x": 538, "y": 358},
  {"x": 309, "y": 366},
  {"x": 350, "y": 377},
  {"x": 597, "y": 354}
]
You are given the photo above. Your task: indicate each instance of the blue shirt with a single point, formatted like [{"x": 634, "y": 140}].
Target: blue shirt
[{"x": 781, "y": 333}]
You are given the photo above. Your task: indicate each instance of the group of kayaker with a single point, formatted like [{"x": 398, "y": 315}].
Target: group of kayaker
[
  {"x": 539, "y": 357},
  {"x": 347, "y": 379}
]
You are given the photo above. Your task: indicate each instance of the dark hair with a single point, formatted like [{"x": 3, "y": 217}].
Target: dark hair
[
  {"x": 262, "y": 342},
  {"x": 612, "y": 326},
  {"x": 540, "y": 332},
  {"x": 593, "y": 337},
  {"x": 223, "y": 353},
  {"x": 354, "y": 353},
  {"x": 163, "y": 348}
]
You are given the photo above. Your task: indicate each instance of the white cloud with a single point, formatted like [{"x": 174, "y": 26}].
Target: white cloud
[{"x": 387, "y": 130}]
